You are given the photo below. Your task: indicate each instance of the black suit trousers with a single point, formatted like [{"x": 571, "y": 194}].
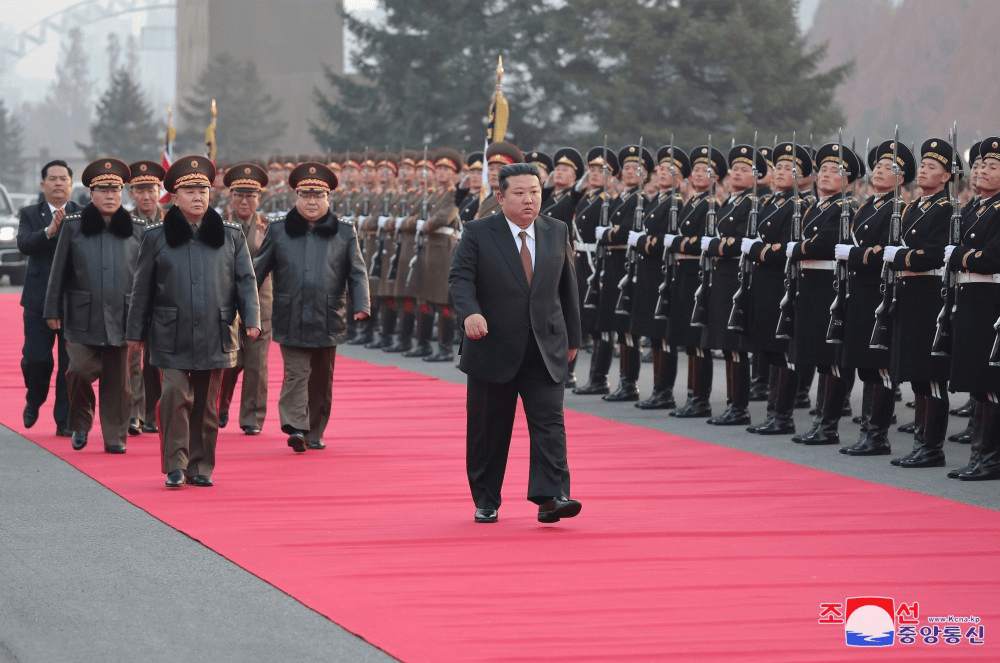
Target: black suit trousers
[
  {"x": 37, "y": 364},
  {"x": 491, "y": 408}
]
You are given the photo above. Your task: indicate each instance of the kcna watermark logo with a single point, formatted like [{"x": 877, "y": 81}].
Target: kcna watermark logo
[{"x": 878, "y": 621}]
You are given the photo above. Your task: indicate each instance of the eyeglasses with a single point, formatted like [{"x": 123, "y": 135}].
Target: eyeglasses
[{"x": 311, "y": 195}]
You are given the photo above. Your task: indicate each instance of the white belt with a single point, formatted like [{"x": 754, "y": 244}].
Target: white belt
[
  {"x": 969, "y": 277},
  {"x": 445, "y": 231},
  {"x": 685, "y": 256},
  {"x": 586, "y": 248},
  {"x": 818, "y": 264},
  {"x": 934, "y": 272}
]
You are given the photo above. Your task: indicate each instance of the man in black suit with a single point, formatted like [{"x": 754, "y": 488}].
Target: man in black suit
[
  {"x": 513, "y": 283},
  {"x": 37, "y": 235}
]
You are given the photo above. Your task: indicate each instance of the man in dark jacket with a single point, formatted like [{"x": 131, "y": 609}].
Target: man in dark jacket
[
  {"x": 37, "y": 233},
  {"x": 194, "y": 274},
  {"x": 312, "y": 258},
  {"x": 89, "y": 286}
]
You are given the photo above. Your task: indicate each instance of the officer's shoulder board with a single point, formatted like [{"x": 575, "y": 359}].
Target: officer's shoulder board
[
  {"x": 73, "y": 217},
  {"x": 344, "y": 221},
  {"x": 996, "y": 205},
  {"x": 154, "y": 225},
  {"x": 232, "y": 224},
  {"x": 943, "y": 202}
]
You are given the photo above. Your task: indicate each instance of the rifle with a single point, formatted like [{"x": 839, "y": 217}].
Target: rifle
[
  {"x": 424, "y": 213},
  {"x": 883, "y": 314},
  {"x": 838, "y": 309},
  {"x": 699, "y": 316},
  {"x": 375, "y": 272},
  {"x": 662, "y": 311},
  {"x": 627, "y": 284},
  {"x": 786, "y": 316},
  {"x": 941, "y": 346},
  {"x": 738, "y": 314},
  {"x": 592, "y": 297}
]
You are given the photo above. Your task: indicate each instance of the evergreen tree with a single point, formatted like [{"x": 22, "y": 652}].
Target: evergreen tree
[
  {"x": 67, "y": 105},
  {"x": 124, "y": 127},
  {"x": 248, "y": 120},
  {"x": 576, "y": 71},
  {"x": 11, "y": 145}
]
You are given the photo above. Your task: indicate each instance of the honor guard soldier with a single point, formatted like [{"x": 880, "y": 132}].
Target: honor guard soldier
[
  {"x": 542, "y": 161},
  {"x": 814, "y": 255},
  {"x": 975, "y": 361},
  {"x": 653, "y": 277},
  {"x": 408, "y": 272},
  {"x": 498, "y": 155},
  {"x": 759, "y": 367},
  {"x": 381, "y": 286},
  {"x": 917, "y": 265},
  {"x": 89, "y": 285},
  {"x": 559, "y": 200},
  {"x": 194, "y": 277},
  {"x": 767, "y": 252},
  {"x": 724, "y": 249},
  {"x": 686, "y": 247},
  {"x": 636, "y": 168},
  {"x": 593, "y": 208},
  {"x": 315, "y": 259},
  {"x": 365, "y": 208},
  {"x": 870, "y": 233},
  {"x": 144, "y": 187},
  {"x": 404, "y": 247},
  {"x": 246, "y": 181},
  {"x": 467, "y": 197}
]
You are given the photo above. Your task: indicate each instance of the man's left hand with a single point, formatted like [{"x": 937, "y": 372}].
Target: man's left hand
[
  {"x": 253, "y": 332},
  {"x": 54, "y": 323},
  {"x": 572, "y": 353},
  {"x": 360, "y": 315}
]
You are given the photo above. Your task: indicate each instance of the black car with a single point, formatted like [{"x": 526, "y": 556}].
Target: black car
[{"x": 12, "y": 262}]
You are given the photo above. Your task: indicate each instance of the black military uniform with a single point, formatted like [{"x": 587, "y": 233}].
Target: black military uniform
[
  {"x": 617, "y": 264},
  {"x": 592, "y": 208},
  {"x": 686, "y": 247},
  {"x": 814, "y": 255},
  {"x": 561, "y": 203},
  {"x": 403, "y": 247},
  {"x": 465, "y": 198},
  {"x": 652, "y": 278}
]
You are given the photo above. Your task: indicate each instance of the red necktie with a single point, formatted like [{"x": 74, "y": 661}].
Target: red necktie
[{"x": 525, "y": 255}]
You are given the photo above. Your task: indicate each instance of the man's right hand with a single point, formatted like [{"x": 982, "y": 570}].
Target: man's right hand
[
  {"x": 57, "y": 218},
  {"x": 475, "y": 326}
]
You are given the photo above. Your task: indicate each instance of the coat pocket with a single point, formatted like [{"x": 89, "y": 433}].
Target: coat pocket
[
  {"x": 163, "y": 329},
  {"x": 335, "y": 312},
  {"x": 280, "y": 313},
  {"x": 78, "y": 310},
  {"x": 229, "y": 329}
]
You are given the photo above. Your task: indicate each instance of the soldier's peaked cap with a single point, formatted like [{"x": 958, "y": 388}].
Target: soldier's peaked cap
[
  {"x": 312, "y": 176},
  {"x": 246, "y": 176},
  {"x": 189, "y": 171},
  {"x": 105, "y": 172}
]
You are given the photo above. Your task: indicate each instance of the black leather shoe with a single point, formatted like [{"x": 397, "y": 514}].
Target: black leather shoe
[
  {"x": 558, "y": 508},
  {"x": 486, "y": 515},
  {"x": 223, "y": 419},
  {"x": 659, "y": 400},
  {"x": 316, "y": 444},
  {"x": 693, "y": 410},
  {"x": 925, "y": 457},
  {"x": 421, "y": 350},
  {"x": 622, "y": 394},
  {"x": 570, "y": 383},
  {"x": 821, "y": 437},
  {"x": 30, "y": 415},
  {"x": 114, "y": 449},
  {"x": 758, "y": 392},
  {"x": 777, "y": 427},
  {"x": 731, "y": 417},
  {"x": 962, "y": 437},
  {"x": 134, "y": 426},
  {"x": 802, "y": 401},
  {"x": 963, "y": 410},
  {"x": 79, "y": 439},
  {"x": 907, "y": 428},
  {"x": 593, "y": 389},
  {"x": 441, "y": 356},
  {"x": 150, "y": 427},
  {"x": 399, "y": 346},
  {"x": 874, "y": 448},
  {"x": 175, "y": 479},
  {"x": 200, "y": 480},
  {"x": 251, "y": 430},
  {"x": 62, "y": 430},
  {"x": 297, "y": 442}
]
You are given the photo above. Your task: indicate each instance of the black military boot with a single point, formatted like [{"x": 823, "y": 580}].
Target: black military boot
[
  {"x": 760, "y": 377},
  {"x": 737, "y": 414},
  {"x": 988, "y": 466},
  {"x": 425, "y": 329},
  {"x": 387, "y": 328},
  {"x": 445, "y": 350},
  {"x": 600, "y": 364},
  {"x": 931, "y": 451},
  {"x": 832, "y": 408},
  {"x": 664, "y": 376},
  {"x": 867, "y": 391},
  {"x": 629, "y": 363},
  {"x": 783, "y": 422},
  {"x": 405, "y": 340},
  {"x": 918, "y": 403},
  {"x": 964, "y": 410},
  {"x": 978, "y": 425},
  {"x": 700, "y": 374},
  {"x": 772, "y": 396},
  {"x": 817, "y": 411},
  {"x": 367, "y": 334},
  {"x": 875, "y": 439},
  {"x": 963, "y": 436}
]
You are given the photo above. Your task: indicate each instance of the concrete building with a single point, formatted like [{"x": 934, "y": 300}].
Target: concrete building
[{"x": 288, "y": 40}]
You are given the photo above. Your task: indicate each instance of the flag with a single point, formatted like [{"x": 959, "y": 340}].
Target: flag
[
  {"x": 496, "y": 127},
  {"x": 210, "y": 147},
  {"x": 167, "y": 158}
]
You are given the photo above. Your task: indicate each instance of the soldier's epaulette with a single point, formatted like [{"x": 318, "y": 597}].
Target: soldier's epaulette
[
  {"x": 155, "y": 224},
  {"x": 346, "y": 222},
  {"x": 943, "y": 202},
  {"x": 73, "y": 217},
  {"x": 996, "y": 205},
  {"x": 232, "y": 224}
]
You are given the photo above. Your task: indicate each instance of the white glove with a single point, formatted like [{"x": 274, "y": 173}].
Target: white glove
[
  {"x": 668, "y": 239},
  {"x": 948, "y": 250},
  {"x": 890, "y": 253},
  {"x": 420, "y": 224},
  {"x": 382, "y": 220},
  {"x": 842, "y": 251},
  {"x": 361, "y": 219},
  {"x": 600, "y": 230},
  {"x": 790, "y": 248},
  {"x": 633, "y": 237},
  {"x": 705, "y": 241},
  {"x": 746, "y": 244}
]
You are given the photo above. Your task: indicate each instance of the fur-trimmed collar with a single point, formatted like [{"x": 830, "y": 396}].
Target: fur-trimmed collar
[
  {"x": 297, "y": 226},
  {"x": 177, "y": 230},
  {"x": 92, "y": 222}
]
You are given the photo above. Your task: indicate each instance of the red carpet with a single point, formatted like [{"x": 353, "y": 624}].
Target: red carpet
[{"x": 669, "y": 559}]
